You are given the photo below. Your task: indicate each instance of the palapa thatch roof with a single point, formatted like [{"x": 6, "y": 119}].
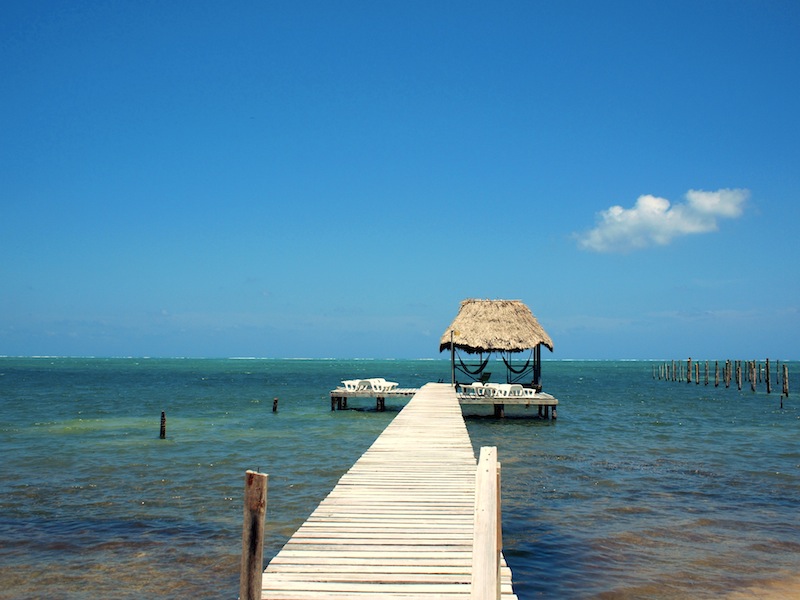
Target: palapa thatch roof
[{"x": 494, "y": 326}]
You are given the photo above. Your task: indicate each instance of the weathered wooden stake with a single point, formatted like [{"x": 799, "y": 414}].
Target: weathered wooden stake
[
  {"x": 275, "y": 405},
  {"x": 697, "y": 373},
  {"x": 739, "y": 374},
  {"x": 727, "y": 373},
  {"x": 768, "y": 378},
  {"x": 163, "y": 433},
  {"x": 689, "y": 371},
  {"x": 753, "y": 376},
  {"x": 786, "y": 380},
  {"x": 716, "y": 373},
  {"x": 255, "y": 507}
]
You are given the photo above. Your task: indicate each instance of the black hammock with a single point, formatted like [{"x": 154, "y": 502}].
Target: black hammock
[{"x": 465, "y": 368}]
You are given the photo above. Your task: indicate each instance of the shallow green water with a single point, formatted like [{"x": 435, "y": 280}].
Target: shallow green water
[{"x": 642, "y": 488}]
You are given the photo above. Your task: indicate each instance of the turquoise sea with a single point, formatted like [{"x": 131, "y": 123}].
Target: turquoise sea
[{"x": 641, "y": 489}]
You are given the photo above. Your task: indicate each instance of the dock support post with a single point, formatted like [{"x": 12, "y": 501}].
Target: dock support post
[
  {"x": 163, "y": 432},
  {"x": 488, "y": 535},
  {"x": 499, "y": 410},
  {"x": 255, "y": 507}
]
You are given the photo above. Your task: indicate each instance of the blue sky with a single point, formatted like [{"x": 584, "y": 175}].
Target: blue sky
[{"x": 331, "y": 179}]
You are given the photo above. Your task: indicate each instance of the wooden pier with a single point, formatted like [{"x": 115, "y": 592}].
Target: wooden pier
[{"x": 400, "y": 523}]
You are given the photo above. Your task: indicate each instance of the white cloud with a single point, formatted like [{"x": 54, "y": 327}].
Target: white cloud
[{"x": 654, "y": 221}]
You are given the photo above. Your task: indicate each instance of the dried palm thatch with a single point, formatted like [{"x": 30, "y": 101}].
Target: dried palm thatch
[{"x": 494, "y": 326}]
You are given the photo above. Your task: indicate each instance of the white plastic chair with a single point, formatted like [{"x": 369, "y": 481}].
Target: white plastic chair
[{"x": 351, "y": 385}]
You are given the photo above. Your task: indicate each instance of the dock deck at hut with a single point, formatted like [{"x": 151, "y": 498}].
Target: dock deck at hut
[
  {"x": 400, "y": 523},
  {"x": 466, "y": 396}
]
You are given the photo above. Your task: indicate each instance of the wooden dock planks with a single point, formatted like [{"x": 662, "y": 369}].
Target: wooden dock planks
[{"x": 399, "y": 524}]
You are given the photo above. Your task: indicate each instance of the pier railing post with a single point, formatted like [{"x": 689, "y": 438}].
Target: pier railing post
[
  {"x": 487, "y": 542},
  {"x": 255, "y": 507}
]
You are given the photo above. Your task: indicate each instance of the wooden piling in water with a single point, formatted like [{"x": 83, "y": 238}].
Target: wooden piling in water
[
  {"x": 727, "y": 373},
  {"x": 689, "y": 371},
  {"x": 786, "y": 380},
  {"x": 768, "y": 377},
  {"x": 255, "y": 507},
  {"x": 739, "y": 375},
  {"x": 716, "y": 373},
  {"x": 275, "y": 405},
  {"x": 163, "y": 433}
]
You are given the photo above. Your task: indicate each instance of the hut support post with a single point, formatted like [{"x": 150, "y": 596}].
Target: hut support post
[
  {"x": 537, "y": 367},
  {"x": 452, "y": 359}
]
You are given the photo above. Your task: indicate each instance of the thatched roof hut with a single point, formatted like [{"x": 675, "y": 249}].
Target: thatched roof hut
[{"x": 494, "y": 326}]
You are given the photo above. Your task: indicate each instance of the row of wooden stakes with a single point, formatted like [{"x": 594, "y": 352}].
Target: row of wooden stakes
[{"x": 752, "y": 370}]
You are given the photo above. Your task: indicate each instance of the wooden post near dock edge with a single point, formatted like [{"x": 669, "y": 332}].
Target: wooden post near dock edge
[
  {"x": 163, "y": 433},
  {"x": 716, "y": 373},
  {"x": 255, "y": 507},
  {"x": 487, "y": 532}
]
